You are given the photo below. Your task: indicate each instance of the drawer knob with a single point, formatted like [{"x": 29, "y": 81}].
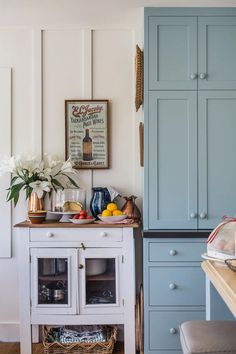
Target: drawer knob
[
  {"x": 81, "y": 266},
  {"x": 203, "y": 215},
  {"x": 193, "y": 215},
  {"x": 193, "y": 76},
  {"x": 202, "y": 76},
  {"x": 172, "y": 252},
  {"x": 49, "y": 234},
  {"x": 173, "y": 330},
  {"x": 172, "y": 286},
  {"x": 103, "y": 234}
]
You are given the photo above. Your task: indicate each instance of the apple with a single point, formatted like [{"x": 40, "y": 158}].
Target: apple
[
  {"x": 82, "y": 217},
  {"x": 76, "y": 216},
  {"x": 89, "y": 217},
  {"x": 83, "y": 212}
]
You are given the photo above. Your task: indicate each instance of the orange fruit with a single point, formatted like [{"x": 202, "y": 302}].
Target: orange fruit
[
  {"x": 106, "y": 212},
  {"x": 112, "y": 206},
  {"x": 117, "y": 212}
]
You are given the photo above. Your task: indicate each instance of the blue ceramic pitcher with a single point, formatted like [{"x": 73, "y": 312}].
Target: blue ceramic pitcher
[{"x": 101, "y": 197}]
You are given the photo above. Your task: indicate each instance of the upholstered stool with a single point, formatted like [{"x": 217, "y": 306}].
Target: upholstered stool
[{"x": 200, "y": 337}]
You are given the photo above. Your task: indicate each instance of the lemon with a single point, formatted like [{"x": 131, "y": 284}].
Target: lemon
[
  {"x": 117, "y": 212},
  {"x": 112, "y": 206},
  {"x": 106, "y": 212}
]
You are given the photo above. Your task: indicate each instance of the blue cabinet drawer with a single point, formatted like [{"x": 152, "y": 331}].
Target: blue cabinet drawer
[
  {"x": 176, "y": 286},
  {"x": 175, "y": 251},
  {"x": 164, "y": 328}
]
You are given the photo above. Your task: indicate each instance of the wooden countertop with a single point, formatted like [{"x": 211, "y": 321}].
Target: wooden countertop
[
  {"x": 224, "y": 280},
  {"x": 56, "y": 224}
]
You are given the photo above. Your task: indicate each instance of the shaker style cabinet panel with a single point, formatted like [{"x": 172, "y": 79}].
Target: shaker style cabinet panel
[
  {"x": 190, "y": 90},
  {"x": 216, "y": 53},
  {"x": 191, "y": 52},
  {"x": 172, "y": 160},
  {"x": 174, "y": 289},
  {"x": 172, "y": 57},
  {"x": 216, "y": 156}
]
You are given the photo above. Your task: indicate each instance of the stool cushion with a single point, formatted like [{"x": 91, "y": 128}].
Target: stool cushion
[{"x": 208, "y": 337}]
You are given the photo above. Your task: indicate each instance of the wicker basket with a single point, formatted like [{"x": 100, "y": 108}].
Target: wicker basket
[{"x": 79, "y": 348}]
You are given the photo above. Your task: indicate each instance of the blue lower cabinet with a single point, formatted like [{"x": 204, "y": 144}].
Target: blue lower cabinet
[
  {"x": 174, "y": 290},
  {"x": 164, "y": 328},
  {"x": 176, "y": 286}
]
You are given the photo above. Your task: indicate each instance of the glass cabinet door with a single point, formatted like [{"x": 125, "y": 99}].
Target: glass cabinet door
[
  {"x": 100, "y": 284},
  {"x": 52, "y": 280}
]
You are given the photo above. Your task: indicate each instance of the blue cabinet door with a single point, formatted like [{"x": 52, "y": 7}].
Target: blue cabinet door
[
  {"x": 217, "y": 52},
  {"x": 171, "y": 167},
  {"x": 172, "y": 53},
  {"x": 216, "y": 156}
]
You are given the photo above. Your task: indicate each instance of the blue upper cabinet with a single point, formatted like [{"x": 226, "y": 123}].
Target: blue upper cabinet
[
  {"x": 216, "y": 156},
  {"x": 172, "y": 53},
  {"x": 190, "y": 117},
  {"x": 172, "y": 161},
  {"x": 217, "y": 53}
]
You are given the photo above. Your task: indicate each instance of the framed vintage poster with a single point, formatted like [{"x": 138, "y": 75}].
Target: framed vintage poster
[{"x": 87, "y": 133}]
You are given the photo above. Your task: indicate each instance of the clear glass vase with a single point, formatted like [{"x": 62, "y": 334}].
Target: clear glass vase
[{"x": 60, "y": 197}]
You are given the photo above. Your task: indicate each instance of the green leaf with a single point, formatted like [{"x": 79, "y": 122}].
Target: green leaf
[
  {"x": 13, "y": 180},
  {"x": 71, "y": 180},
  {"x": 14, "y": 192},
  {"x": 57, "y": 183}
]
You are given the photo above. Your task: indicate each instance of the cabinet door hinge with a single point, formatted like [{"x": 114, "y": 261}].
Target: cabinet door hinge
[
  {"x": 30, "y": 258},
  {"x": 123, "y": 302},
  {"x": 123, "y": 258}
]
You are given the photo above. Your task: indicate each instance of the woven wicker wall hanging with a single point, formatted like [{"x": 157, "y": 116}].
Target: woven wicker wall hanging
[{"x": 139, "y": 78}]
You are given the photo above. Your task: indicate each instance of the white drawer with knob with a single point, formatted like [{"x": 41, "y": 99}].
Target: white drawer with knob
[{"x": 76, "y": 234}]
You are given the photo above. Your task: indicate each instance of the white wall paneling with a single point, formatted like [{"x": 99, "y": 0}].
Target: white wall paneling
[
  {"x": 113, "y": 73},
  {"x": 5, "y": 149},
  {"x": 87, "y": 175},
  {"x": 37, "y": 129}
]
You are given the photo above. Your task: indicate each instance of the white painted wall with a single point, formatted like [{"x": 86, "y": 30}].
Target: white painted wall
[{"x": 61, "y": 49}]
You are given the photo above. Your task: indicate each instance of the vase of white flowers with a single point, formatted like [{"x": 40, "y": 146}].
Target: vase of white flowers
[{"x": 36, "y": 176}]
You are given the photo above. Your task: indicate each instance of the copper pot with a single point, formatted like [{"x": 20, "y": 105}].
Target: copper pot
[
  {"x": 131, "y": 209},
  {"x": 35, "y": 203}
]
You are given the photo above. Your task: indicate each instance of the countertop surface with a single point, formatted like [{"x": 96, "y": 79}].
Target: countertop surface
[
  {"x": 56, "y": 224},
  {"x": 224, "y": 280},
  {"x": 176, "y": 233}
]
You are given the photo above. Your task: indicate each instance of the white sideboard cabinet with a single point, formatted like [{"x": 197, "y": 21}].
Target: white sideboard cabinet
[{"x": 76, "y": 275}]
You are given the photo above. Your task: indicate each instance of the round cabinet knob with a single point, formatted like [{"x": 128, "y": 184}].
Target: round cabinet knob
[
  {"x": 172, "y": 252},
  {"x": 173, "y": 330},
  {"x": 103, "y": 234},
  {"x": 172, "y": 286},
  {"x": 193, "y": 76},
  {"x": 81, "y": 266},
  {"x": 49, "y": 234},
  {"x": 203, "y": 215},
  {"x": 202, "y": 76},
  {"x": 193, "y": 215}
]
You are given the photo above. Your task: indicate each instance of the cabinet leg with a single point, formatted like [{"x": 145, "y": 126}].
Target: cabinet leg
[
  {"x": 25, "y": 339},
  {"x": 35, "y": 333},
  {"x": 129, "y": 339}
]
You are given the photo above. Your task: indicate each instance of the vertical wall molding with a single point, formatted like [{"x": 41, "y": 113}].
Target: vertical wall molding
[
  {"x": 88, "y": 93},
  {"x": 5, "y": 150},
  {"x": 37, "y": 97}
]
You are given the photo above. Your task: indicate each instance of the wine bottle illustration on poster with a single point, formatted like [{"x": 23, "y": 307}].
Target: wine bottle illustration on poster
[{"x": 87, "y": 147}]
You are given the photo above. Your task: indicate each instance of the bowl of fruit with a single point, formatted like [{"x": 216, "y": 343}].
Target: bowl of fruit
[
  {"x": 112, "y": 214},
  {"x": 82, "y": 218}
]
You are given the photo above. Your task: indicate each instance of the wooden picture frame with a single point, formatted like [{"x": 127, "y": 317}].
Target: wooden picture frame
[{"x": 86, "y": 133}]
